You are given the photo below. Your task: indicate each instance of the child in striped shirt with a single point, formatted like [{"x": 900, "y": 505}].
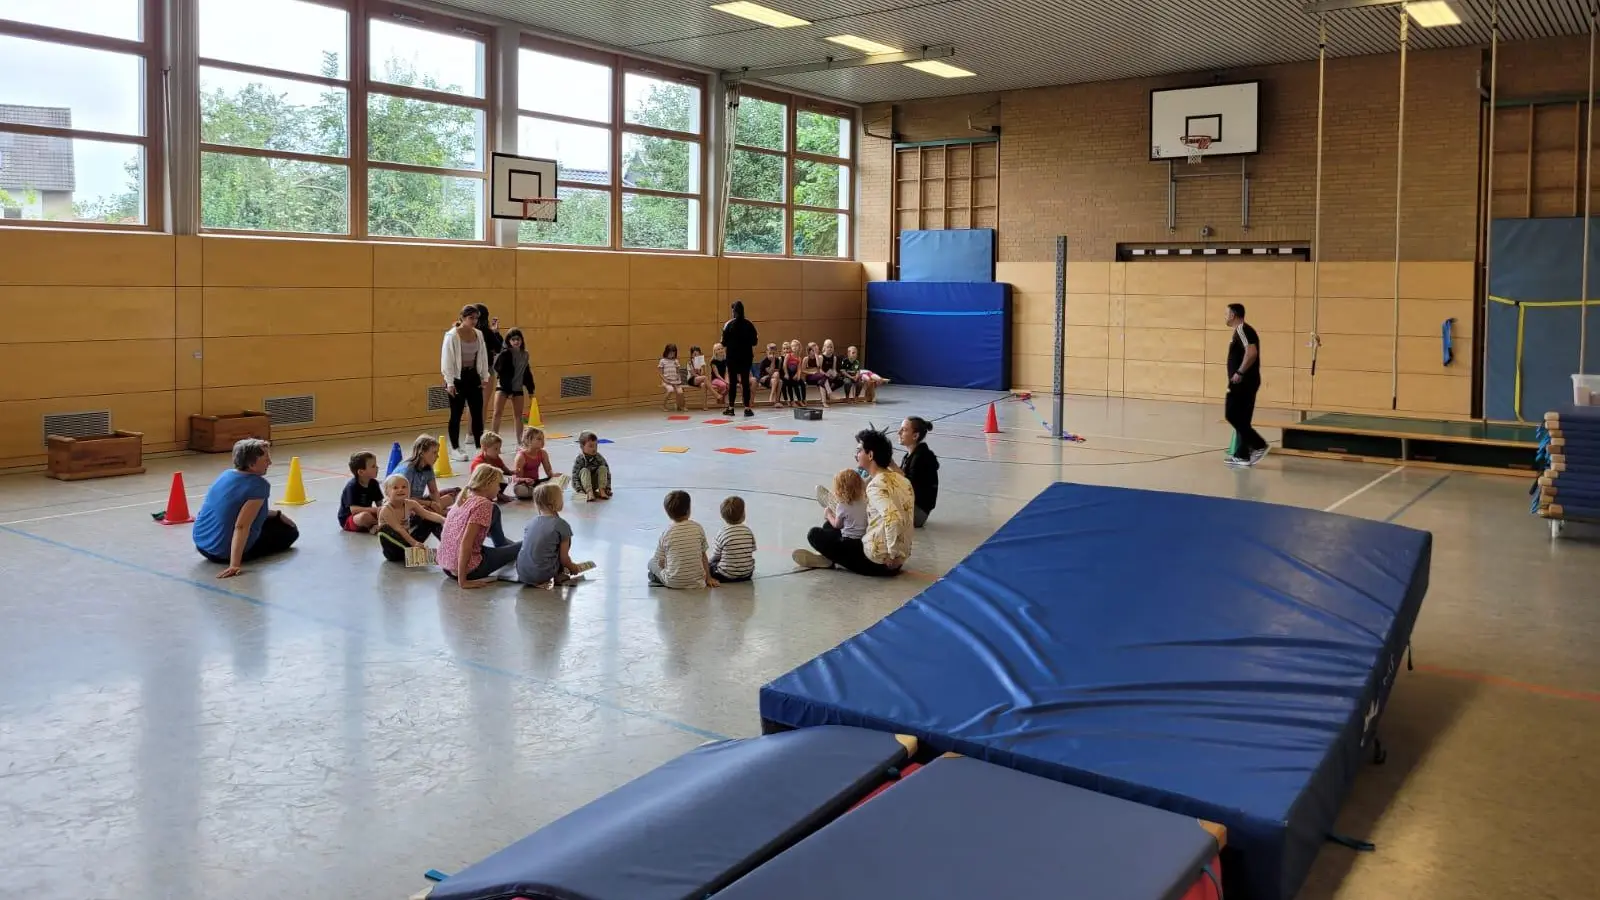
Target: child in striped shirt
[
  {"x": 680, "y": 557},
  {"x": 733, "y": 553}
]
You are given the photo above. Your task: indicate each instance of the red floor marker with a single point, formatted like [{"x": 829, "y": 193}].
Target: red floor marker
[
  {"x": 752, "y": 428},
  {"x": 677, "y": 418},
  {"x": 736, "y": 451},
  {"x": 783, "y": 433},
  {"x": 718, "y": 421}
]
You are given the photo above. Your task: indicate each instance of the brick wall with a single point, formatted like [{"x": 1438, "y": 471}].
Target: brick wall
[{"x": 1073, "y": 161}]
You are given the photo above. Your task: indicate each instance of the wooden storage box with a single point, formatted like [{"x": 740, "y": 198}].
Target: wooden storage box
[
  {"x": 218, "y": 434},
  {"x": 100, "y": 456}
]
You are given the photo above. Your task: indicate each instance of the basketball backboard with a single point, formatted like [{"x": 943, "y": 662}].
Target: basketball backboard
[
  {"x": 1225, "y": 118},
  {"x": 523, "y": 187}
]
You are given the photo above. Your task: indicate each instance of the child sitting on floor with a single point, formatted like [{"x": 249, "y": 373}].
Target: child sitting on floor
[
  {"x": 531, "y": 457},
  {"x": 680, "y": 558},
  {"x": 489, "y": 446},
  {"x": 546, "y": 556},
  {"x": 358, "y": 505},
  {"x": 418, "y": 470},
  {"x": 403, "y": 523},
  {"x": 733, "y": 553},
  {"x": 719, "y": 373},
  {"x": 591, "y": 477},
  {"x": 846, "y": 504}
]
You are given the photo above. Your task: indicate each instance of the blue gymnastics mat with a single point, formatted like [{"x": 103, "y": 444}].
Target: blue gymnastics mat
[
  {"x": 1222, "y": 659},
  {"x": 944, "y": 334},
  {"x": 961, "y": 828},
  {"x": 947, "y": 254},
  {"x": 690, "y": 827}
]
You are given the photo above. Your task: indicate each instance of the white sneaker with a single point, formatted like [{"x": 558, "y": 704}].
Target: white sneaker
[
  {"x": 562, "y": 480},
  {"x": 1259, "y": 455},
  {"x": 824, "y": 497},
  {"x": 459, "y": 455},
  {"x": 805, "y": 559},
  {"x": 1233, "y": 462}
]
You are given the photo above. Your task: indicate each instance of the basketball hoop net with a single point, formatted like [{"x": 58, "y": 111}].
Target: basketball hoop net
[
  {"x": 1197, "y": 144},
  {"x": 543, "y": 207}
]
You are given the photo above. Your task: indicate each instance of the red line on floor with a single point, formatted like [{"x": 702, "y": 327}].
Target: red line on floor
[{"x": 1499, "y": 681}]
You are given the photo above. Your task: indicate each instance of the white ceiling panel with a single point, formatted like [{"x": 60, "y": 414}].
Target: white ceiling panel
[{"x": 1013, "y": 43}]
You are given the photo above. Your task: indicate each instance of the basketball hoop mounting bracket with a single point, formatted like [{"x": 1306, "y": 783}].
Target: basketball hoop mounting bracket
[{"x": 1173, "y": 178}]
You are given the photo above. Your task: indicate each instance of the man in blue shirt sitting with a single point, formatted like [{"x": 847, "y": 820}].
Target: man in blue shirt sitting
[{"x": 234, "y": 525}]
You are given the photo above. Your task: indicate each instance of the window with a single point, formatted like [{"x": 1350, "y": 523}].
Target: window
[
  {"x": 343, "y": 117},
  {"x": 78, "y": 140},
  {"x": 629, "y": 140},
  {"x": 790, "y": 177}
]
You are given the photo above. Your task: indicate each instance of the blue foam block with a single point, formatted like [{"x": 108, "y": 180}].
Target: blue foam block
[
  {"x": 1239, "y": 680},
  {"x": 802, "y": 440}
]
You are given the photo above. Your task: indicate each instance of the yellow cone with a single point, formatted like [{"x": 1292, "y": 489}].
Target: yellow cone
[
  {"x": 441, "y": 467},
  {"x": 533, "y": 413},
  {"x": 295, "y": 493}
]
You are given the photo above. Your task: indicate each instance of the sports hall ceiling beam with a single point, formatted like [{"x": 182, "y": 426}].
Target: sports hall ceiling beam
[{"x": 833, "y": 62}]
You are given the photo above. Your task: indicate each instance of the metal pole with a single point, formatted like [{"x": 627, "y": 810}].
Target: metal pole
[
  {"x": 1399, "y": 182},
  {"x": 1316, "y": 214},
  {"x": 1172, "y": 200},
  {"x": 1488, "y": 190},
  {"x": 1058, "y": 425},
  {"x": 1588, "y": 170}
]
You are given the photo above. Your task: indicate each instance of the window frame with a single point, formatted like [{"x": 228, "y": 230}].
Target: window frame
[
  {"x": 794, "y": 104},
  {"x": 359, "y": 87},
  {"x": 152, "y": 51},
  {"x": 621, "y": 66}
]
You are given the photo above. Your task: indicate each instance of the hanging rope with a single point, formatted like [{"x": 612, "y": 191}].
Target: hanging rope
[
  {"x": 1399, "y": 182},
  {"x": 1588, "y": 169},
  {"x": 1488, "y": 190},
  {"x": 730, "y": 127},
  {"x": 1316, "y": 214}
]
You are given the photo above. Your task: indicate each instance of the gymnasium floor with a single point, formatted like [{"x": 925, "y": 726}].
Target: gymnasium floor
[{"x": 331, "y": 726}]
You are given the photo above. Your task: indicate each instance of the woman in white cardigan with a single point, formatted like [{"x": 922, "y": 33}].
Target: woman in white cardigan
[{"x": 464, "y": 363}]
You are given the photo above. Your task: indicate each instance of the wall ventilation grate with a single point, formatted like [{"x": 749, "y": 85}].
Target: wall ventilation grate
[
  {"x": 577, "y": 386},
  {"x": 77, "y": 425},
  {"x": 438, "y": 398},
  {"x": 297, "y": 410}
]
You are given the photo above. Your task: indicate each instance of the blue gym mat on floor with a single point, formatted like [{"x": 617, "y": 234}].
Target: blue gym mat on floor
[
  {"x": 1223, "y": 659},
  {"x": 960, "y": 828},
  {"x": 690, "y": 827}
]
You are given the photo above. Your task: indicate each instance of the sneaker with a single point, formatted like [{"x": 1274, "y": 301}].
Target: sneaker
[
  {"x": 582, "y": 567},
  {"x": 562, "y": 480},
  {"x": 1259, "y": 455},
  {"x": 748, "y": 412},
  {"x": 728, "y": 411},
  {"x": 805, "y": 559},
  {"x": 824, "y": 497},
  {"x": 459, "y": 455},
  {"x": 1234, "y": 462}
]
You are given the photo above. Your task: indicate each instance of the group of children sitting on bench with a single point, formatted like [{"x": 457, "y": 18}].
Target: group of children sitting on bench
[{"x": 785, "y": 372}]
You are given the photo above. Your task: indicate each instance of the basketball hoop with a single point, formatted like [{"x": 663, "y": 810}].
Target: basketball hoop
[
  {"x": 1197, "y": 144},
  {"x": 541, "y": 209}
]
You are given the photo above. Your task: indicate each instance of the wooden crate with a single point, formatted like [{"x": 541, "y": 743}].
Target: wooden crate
[
  {"x": 100, "y": 456},
  {"x": 218, "y": 434}
]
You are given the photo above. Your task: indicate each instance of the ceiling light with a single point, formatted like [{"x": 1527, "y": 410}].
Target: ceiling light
[
  {"x": 755, "y": 12},
  {"x": 862, "y": 44},
  {"x": 1433, "y": 13},
  {"x": 941, "y": 69}
]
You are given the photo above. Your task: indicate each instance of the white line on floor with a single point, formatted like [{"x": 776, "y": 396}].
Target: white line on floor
[
  {"x": 1364, "y": 488},
  {"x": 147, "y": 503}
]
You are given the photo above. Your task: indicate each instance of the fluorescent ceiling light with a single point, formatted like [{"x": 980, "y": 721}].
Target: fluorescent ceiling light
[
  {"x": 755, "y": 12},
  {"x": 941, "y": 69},
  {"x": 1433, "y": 13},
  {"x": 862, "y": 44}
]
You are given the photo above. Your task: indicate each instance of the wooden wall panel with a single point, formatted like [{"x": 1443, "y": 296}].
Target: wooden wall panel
[
  {"x": 767, "y": 274},
  {"x": 22, "y": 421},
  {"x": 340, "y": 402},
  {"x": 1082, "y": 375},
  {"x": 399, "y": 397},
  {"x": 189, "y": 313},
  {"x": 1163, "y": 379},
  {"x": 48, "y": 313},
  {"x": 29, "y": 371},
  {"x": 406, "y": 353},
  {"x": 565, "y": 307},
  {"x": 424, "y": 266},
  {"x": 1164, "y": 311},
  {"x": 657, "y": 306},
  {"x": 1164, "y": 278},
  {"x": 1185, "y": 345},
  {"x": 425, "y": 309},
  {"x": 827, "y": 275},
  {"x": 662, "y": 271},
  {"x": 188, "y": 363},
  {"x": 571, "y": 269},
  {"x": 274, "y": 262},
  {"x": 1250, "y": 278},
  {"x": 574, "y": 346},
  {"x": 189, "y": 261},
  {"x": 241, "y": 312},
  {"x": 236, "y": 361},
  {"x": 763, "y": 306},
  {"x": 821, "y": 304},
  {"x": 84, "y": 258}
]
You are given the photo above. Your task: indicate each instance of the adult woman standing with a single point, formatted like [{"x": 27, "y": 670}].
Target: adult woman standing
[
  {"x": 234, "y": 525},
  {"x": 739, "y": 341},
  {"x": 464, "y": 363},
  {"x": 920, "y": 466},
  {"x": 490, "y": 328}
]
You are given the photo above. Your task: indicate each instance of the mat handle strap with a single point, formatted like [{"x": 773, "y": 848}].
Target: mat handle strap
[{"x": 1355, "y": 844}]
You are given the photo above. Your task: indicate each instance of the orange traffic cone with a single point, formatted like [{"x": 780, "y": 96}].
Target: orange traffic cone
[
  {"x": 177, "y": 504},
  {"x": 991, "y": 426}
]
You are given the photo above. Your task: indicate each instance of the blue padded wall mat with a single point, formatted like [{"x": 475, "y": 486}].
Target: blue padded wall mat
[
  {"x": 1538, "y": 264},
  {"x": 968, "y": 829},
  {"x": 691, "y": 826},
  {"x": 961, "y": 254},
  {"x": 1220, "y": 658},
  {"x": 940, "y": 334}
]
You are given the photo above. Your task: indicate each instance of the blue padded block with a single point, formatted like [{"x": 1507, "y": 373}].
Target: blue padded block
[
  {"x": 951, "y": 254},
  {"x": 960, "y": 828},
  {"x": 1219, "y": 658},
  {"x": 691, "y": 826},
  {"x": 1574, "y": 415},
  {"x": 940, "y": 335}
]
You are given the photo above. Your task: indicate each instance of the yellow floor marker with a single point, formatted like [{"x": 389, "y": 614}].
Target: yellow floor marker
[{"x": 674, "y": 449}]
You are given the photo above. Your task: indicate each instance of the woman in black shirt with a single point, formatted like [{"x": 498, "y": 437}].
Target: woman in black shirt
[{"x": 921, "y": 467}]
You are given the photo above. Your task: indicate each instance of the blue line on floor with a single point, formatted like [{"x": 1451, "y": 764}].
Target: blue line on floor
[
  {"x": 551, "y": 686},
  {"x": 1414, "y": 500}
]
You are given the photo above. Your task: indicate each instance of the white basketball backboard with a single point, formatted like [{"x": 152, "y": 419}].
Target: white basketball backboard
[
  {"x": 522, "y": 187},
  {"x": 1227, "y": 114}
]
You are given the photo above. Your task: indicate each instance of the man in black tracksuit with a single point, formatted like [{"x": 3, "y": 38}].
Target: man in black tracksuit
[
  {"x": 739, "y": 341},
  {"x": 1244, "y": 381}
]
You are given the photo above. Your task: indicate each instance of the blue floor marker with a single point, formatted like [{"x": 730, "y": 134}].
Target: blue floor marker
[
  {"x": 802, "y": 440},
  {"x": 607, "y": 441}
]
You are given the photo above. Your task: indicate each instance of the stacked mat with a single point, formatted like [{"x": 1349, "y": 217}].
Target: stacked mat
[{"x": 1569, "y": 453}]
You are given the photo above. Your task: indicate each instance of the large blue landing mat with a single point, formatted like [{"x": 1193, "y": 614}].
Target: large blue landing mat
[
  {"x": 954, "y": 254},
  {"x": 940, "y": 335},
  {"x": 1222, "y": 659},
  {"x": 691, "y": 826},
  {"x": 966, "y": 830}
]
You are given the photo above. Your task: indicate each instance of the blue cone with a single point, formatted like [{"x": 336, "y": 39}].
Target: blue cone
[{"x": 394, "y": 458}]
